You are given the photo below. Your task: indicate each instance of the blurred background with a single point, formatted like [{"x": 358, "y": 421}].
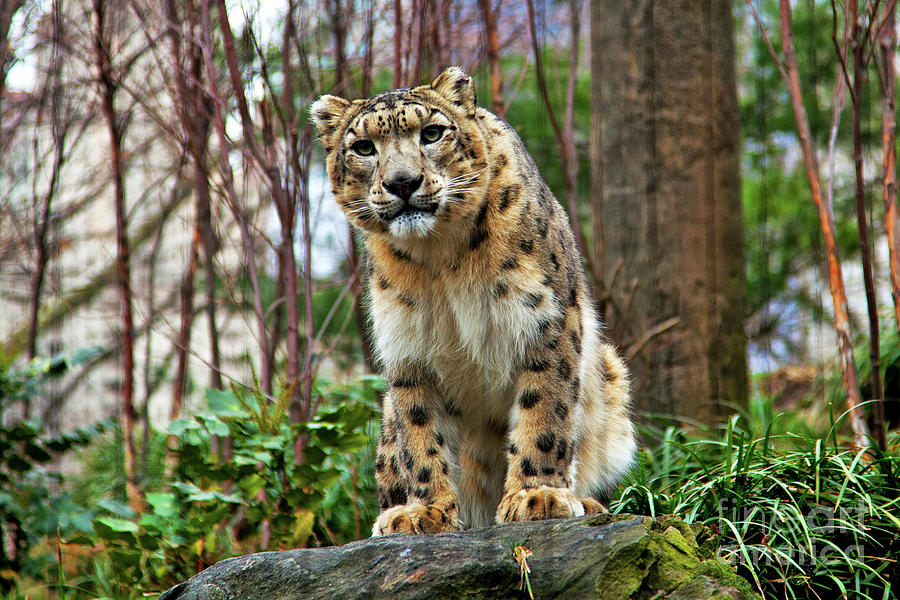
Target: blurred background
[{"x": 185, "y": 372}]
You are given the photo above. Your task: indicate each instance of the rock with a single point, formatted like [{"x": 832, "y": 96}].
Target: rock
[{"x": 599, "y": 557}]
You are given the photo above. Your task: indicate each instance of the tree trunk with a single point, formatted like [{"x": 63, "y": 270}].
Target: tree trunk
[
  {"x": 887, "y": 43},
  {"x": 187, "y": 116},
  {"x": 492, "y": 50},
  {"x": 564, "y": 137},
  {"x": 41, "y": 215},
  {"x": 665, "y": 157},
  {"x": 398, "y": 41},
  {"x": 860, "y": 66},
  {"x": 40, "y": 228},
  {"x": 108, "y": 87},
  {"x": 179, "y": 384}
]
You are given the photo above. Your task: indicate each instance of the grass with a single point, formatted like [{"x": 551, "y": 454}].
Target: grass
[{"x": 801, "y": 516}]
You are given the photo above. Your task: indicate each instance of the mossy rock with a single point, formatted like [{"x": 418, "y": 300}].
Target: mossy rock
[{"x": 602, "y": 557}]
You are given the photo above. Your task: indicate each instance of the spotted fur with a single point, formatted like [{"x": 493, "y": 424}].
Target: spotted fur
[{"x": 505, "y": 402}]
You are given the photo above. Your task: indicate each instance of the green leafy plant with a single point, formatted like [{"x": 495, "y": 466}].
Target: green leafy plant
[
  {"x": 30, "y": 511},
  {"x": 258, "y": 497}
]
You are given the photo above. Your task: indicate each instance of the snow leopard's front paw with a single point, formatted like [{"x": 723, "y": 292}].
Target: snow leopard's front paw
[
  {"x": 539, "y": 503},
  {"x": 593, "y": 506},
  {"x": 415, "y": 518}
]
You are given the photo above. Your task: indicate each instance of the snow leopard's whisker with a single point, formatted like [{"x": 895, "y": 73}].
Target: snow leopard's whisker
[{"x": 472, "y": 176}]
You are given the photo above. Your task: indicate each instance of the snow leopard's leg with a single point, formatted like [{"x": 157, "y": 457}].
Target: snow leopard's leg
[{"x": 414, "y": 486}]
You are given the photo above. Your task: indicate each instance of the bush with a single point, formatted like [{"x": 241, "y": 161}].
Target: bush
[
  {"x": 213, "y": 506},
  {"x": 29, "y": 511}
]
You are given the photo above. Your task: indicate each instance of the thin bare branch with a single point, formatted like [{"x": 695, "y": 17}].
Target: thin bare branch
[
  {"x": 826, "y": 222},
  {"x": 859, "y": 41},
  {"x": 841, "y": 51},
  {"x": 231, "y": 197},
  {"x": 762, "y": 28},
  {"x": 635, "y": 348},
  {"x": 566, "y": 144},
  {"x": 108, "y": 87}
]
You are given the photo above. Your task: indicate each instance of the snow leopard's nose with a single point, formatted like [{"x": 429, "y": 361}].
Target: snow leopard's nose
[{"x": 403, "y": 187}]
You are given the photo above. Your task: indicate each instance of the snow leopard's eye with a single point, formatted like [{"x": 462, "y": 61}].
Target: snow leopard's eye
[
  {"x": 363, "y": 147},
  {"x": 432, "y": 133}
]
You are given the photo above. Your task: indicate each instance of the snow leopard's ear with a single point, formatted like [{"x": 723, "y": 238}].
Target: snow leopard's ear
[
  {"x": 457, "y": 87},
  {"x": 326, "y": 113}
]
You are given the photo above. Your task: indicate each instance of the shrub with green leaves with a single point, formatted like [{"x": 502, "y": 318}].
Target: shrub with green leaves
[
  {"x": 800, "y": 516},
  {"x": 29, "y": 511},
  {"x": 256, "y": 497}
]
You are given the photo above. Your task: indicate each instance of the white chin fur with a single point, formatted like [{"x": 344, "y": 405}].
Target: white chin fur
[{"x": 412, "y": 224}]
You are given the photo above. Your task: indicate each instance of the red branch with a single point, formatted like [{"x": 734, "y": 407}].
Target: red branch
[
  {"x": 826, "y": 222},
  {"x": 887, "y": 42},
  {"x": 108, "y": 87},
  {"x": 492, "y": 49}
]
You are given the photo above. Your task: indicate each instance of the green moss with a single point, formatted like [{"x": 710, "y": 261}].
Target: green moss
[
  {"x": 668, "y": 560},
  {"x": 714, "y": 580},
  {"x": 719, "y": 569},
  {"x": 676, "y": 559},
  {"x": 606, "y": 518},
  {"x": 625, "y": 572}
]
